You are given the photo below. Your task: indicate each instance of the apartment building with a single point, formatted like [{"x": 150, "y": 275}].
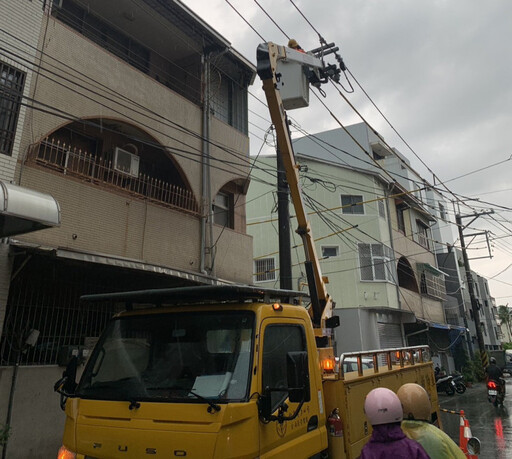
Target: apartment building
[
  {"x": 373, "y": 236},
  {"x": 133, "y": 117}
]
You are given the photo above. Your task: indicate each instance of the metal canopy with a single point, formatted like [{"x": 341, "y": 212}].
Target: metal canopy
[
  {"x": 441, "y": 326},
  {"x": 197, "y": 295},
  {"x": 23, "y": 210}
]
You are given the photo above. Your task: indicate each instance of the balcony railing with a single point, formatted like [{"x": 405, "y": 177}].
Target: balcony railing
[{"x": 74, "y": 162}]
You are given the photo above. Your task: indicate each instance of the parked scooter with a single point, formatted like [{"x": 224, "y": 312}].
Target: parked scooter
[
  {"x": 445, "y": 384},
  {"x": 460, "y": 387},
  {"x": 495, "y": 392}
]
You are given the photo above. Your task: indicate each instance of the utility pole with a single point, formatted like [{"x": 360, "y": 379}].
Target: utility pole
[
  {"x": 283, "y": 217},
  {"x": 469, "y": 278}
]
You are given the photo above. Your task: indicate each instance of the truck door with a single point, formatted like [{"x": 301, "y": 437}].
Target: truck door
[{"x": 303, "y": 436}]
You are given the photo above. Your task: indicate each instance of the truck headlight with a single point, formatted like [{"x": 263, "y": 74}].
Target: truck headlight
[{"x": 65, "y": 453}]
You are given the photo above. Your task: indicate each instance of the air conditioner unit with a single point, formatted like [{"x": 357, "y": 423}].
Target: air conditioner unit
[{"x": 126, "y": 162}]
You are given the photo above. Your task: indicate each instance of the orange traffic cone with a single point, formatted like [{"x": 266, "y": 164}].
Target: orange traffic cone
[{"x": 463, "y": 443}]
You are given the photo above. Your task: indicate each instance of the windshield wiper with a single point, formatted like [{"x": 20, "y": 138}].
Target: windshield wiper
[{"x": 212, "y": 406}]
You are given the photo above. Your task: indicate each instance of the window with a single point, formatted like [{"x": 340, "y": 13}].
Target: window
[
  {"x": 382, "y": 209},
  {"x": 433, "y": 285},
  {"x": 351, "y": 204},
  {"x": 223, "y": 210},
  {"x": 422, "y": 236},
  {"x": 400, "y": 216},
  {"x": 442, "y": 212},
  {"x": 264, "y": 269},
  {"x": 375, "y": 263},
  {"x": 11, "y": 90},
  {"x": 330, "y": 251},
  {"x": 278, "y": 341}
]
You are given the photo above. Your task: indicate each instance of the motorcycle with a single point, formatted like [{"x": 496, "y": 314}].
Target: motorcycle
[
  {"x": 446, "y": 384},
  {"x": 460, "y": 387},
  {"x": 495, "y": 392}
]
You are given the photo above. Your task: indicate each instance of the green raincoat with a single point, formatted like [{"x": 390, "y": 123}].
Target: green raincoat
[{"x": 435, "y": 442}]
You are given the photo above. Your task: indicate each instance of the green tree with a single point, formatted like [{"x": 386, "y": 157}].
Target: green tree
[{"x": 505, "y": 316}]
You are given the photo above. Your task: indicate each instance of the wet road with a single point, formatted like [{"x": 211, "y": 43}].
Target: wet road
[{"x": 492, "y": 426}]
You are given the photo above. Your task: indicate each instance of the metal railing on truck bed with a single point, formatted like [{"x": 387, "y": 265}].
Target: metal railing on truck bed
[
  {"x": 389, "y": 358},
  {"x": 389, "y": 368}
]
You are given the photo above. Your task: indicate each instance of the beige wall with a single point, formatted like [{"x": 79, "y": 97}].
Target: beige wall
[
  {"x": 101, "y": 221},
  {"x": 113, "y": 223}
]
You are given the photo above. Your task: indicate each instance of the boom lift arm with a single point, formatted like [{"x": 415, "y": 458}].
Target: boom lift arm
[{"x": 302, "y": 69}]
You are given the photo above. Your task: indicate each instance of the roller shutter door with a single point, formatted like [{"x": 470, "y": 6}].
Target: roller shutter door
[{"x": 390, "y": 335}]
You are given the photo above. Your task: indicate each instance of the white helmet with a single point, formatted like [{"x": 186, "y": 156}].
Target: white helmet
[{"x": 382, "y": 406}]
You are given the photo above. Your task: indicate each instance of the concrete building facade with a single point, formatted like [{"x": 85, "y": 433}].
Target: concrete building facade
[{"x": 133, "y": 117}]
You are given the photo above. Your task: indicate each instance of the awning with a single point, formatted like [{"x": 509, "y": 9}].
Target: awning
[
  {"x": 441, "y": 326},
  {"x": 119, "y": 262},
  {"x": 432, "y": 269},
  {"x": 23, "y": 210}
]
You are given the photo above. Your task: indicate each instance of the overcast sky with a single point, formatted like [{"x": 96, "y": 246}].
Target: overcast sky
[{"x": 441, "y": 72}]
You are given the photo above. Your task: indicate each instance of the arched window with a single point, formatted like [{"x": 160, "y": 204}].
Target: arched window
[{"x": 406, "y": 276}]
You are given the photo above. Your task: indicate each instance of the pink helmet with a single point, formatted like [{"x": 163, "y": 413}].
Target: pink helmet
[{"x": 382, "y": 406}]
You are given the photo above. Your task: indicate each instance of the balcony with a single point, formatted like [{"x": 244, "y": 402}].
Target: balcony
[{"x": 98, "y": 170}]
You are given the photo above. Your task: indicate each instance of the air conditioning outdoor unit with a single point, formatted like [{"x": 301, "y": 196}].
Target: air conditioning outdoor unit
[{"x": 126, "y": 162}]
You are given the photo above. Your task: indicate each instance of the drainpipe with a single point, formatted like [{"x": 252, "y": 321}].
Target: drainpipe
[
  {"x": 390, "y": 229},
  {"x": 205, "y": 160},
  {"x": 206, "y": 192}
]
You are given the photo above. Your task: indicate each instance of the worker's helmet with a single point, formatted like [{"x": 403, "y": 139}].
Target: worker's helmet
[
  {"x": 292, "y": 43},
  {"x": 493, "y": 360},
  {"x": 382, "y": 406},
  {"x": 415, "y": 402}
]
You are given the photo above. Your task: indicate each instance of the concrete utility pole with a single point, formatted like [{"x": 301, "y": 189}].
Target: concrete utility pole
[{"x": 469, "y": 278}]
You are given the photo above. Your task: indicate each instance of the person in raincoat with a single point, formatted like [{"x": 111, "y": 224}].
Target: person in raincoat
[
  {"x": 384, "y": 412},
  {"x": 416, "y": 424}
]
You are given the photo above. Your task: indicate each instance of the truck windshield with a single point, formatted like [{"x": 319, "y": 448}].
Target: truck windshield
[{"x": 172, "y": 357}]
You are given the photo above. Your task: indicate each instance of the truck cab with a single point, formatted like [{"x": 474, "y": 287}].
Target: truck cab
[{"x": 194, "y": 378}]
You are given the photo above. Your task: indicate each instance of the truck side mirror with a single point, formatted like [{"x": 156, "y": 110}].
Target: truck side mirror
[
  {"x": 298, "y": 376},
  {"x": 67, "y": 384}
]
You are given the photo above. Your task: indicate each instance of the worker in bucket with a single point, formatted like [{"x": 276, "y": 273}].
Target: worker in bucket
[
  {"x": 292, "y": 43},
  {"x": 416, "y": 424},
  {"x": 384, "y": 412}
]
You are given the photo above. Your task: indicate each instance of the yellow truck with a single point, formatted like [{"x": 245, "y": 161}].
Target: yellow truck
[
  {"x": 234, "y": 371},
  {"x": 223, "y": 372}
]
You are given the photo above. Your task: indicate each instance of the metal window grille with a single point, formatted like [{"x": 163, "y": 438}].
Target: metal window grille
[
  {"x": 433, "y": 285},
  {"x": 45, "y": 295},
  {"x": 352, "y": 204},
  {"x": 265, "y": 269},
  {"x": 11, "y": 90}
]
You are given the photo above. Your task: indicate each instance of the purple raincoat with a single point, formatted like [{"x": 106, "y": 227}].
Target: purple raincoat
[{"x": 389, "y": 441}]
